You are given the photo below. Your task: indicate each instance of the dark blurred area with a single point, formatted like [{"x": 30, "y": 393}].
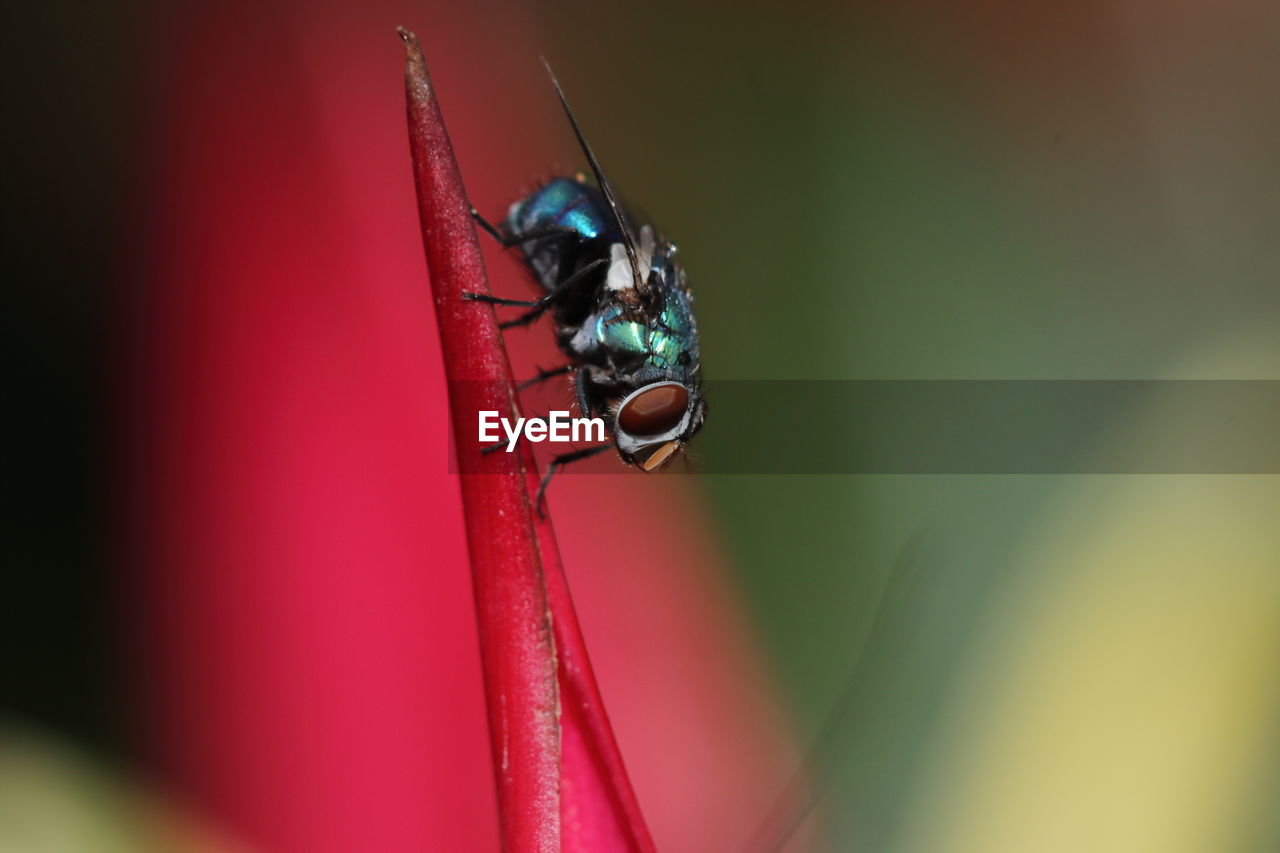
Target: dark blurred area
[{"x": 73, "y": 83}]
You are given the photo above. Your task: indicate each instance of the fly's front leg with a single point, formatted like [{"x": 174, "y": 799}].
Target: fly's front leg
[
  {"x": 497, "y": 445},
  {"x": 559, "y": 462},
  {"x": 544, "y": 375},
  {"x": 580, "y": 386},
  {"x": 589, "y": 383}
]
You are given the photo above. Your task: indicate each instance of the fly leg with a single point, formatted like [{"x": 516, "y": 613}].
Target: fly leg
[
  {"x": 501, "y": 443},
  {"x": 509, "y": 240},
  {"x": 488, "y": 228},
  {"x": 472, "y": 296},
  {"x": 545, "y": 374},
  {"x": 584, "y": 398},
  {"x": 559, "y": 462},
  {"x": 592, "y": 384},
  {"x": 539, "y": 306}
]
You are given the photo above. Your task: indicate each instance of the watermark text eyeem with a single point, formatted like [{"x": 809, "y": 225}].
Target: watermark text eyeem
[{"x": 556, "y": 427}]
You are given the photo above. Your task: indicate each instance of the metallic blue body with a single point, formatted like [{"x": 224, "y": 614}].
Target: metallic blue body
[
  {"x": 657, "y": 339},
  {"x": 565, "y": 202}
]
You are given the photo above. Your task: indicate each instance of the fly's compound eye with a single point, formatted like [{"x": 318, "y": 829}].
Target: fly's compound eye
[{"x": 654, "y": 411}]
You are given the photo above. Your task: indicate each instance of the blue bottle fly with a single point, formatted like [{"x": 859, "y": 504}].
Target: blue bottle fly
[{"x": 622, "y": 310}]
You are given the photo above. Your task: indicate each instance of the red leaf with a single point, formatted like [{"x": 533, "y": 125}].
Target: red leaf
[{"x": 561, "y": 781}]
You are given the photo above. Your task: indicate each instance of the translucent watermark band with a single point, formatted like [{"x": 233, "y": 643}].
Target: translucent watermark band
[{"x": 815, "y": 427}]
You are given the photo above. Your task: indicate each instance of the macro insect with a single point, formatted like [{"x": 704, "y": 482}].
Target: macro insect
[{"x": 622, "y": 310}]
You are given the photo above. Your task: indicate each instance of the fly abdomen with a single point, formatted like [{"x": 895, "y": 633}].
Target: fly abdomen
[
  {"x": 569, "y": 226},
  {"x": 566, "y": 202}
]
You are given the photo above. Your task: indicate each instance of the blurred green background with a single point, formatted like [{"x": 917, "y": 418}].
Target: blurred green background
[
  {"x": 990, "y": 190},
  {"x": 983, "y": 191}
]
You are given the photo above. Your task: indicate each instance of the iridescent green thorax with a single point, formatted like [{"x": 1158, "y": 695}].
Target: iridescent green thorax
[{"x": 659, "y": 342}]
